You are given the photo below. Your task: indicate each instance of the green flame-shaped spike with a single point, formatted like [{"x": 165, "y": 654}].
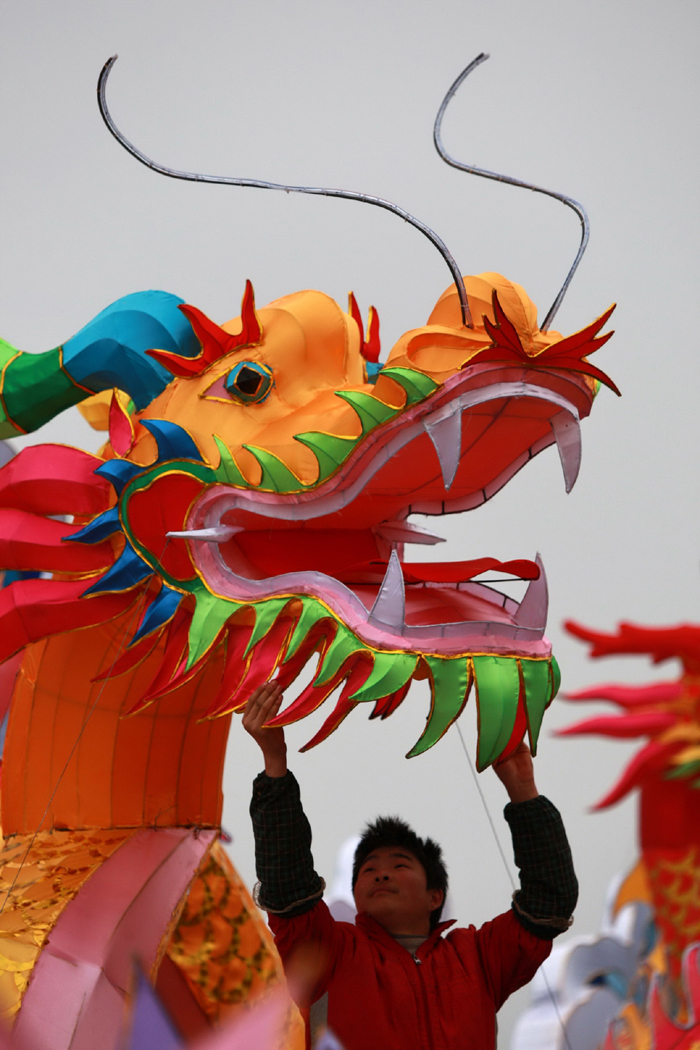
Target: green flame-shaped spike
[
  {"x": 343, "y": 645},
  {"x": 227, "y": 469},
  {"x": 537, "y": 679},
  {"x": 497, "y": 692},
  {"x": 265, "y": 615},
  {"x": 311, "y": 612},
  {"x": 450, "y": 685},
  {"x": 210, "y": 615},
  {"x": 371, "y": 411},
  {"x": 556, "y": 677},
  {"x": 416, "y": 385},
  {"x": 276, "y": 475},
  {"x": 390, "y": 672},
  {"x": 330, "y": 450}
]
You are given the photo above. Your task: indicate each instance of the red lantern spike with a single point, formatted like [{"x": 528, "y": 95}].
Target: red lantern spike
[
  {"x": 172, "y": 662},
  {"x": 234, "y": 668},
  {"x": 386, "y": 705},
  {"x": 358, "y": 676},
  {"x": 504, "y": 332},
  {"x": 121, "y": 428},
  {"x": 261, "y": 667},
  {"x": 214, "y": 341},
  {"x": 370, "y": 347},
  {"x": 354, "y": 311}
]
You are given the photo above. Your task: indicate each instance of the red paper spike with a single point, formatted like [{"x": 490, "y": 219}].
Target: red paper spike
[
  {"x": 652, "y": 760},
  {"x": 629, "y": 696},
  {"x": 519, "y": 730},
  {"x": 358, "y": 677},
  {"x": 503, "y": 333},
  {"x": 386, "y": 705},
  {"x": 121, "y": 428},
  {"x": 173, "y": 660},
  {"x": 318, "y": 638},
  {"x": 661, "y": 643},
  {"x": 648, "y": 724},
  {"x": 263, "y": 662},
  {"x": 370, "y": 347},
  {"x": 235, "y": 667},
  {"x": 310, "y": 699},
  {"x": 566, "y": 354},
  {"x": 214, "y": 341},
  {"x": 130, "y": 659}
]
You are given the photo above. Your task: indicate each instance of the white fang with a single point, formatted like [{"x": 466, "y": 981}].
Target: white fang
[
  {"x": 390, "y": 604},
  {"x": 445, "y": 432}
]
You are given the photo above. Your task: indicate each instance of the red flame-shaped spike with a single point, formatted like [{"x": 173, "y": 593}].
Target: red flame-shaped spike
[{"x": 214, "y": 341}]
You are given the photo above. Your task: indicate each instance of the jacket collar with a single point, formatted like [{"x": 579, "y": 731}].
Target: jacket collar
[{"x": 376, "y": 931}]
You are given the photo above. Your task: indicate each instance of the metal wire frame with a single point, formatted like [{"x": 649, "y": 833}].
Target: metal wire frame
[
  {"x": 351, "y": 195},
  {"x": 472, "y": 170}
]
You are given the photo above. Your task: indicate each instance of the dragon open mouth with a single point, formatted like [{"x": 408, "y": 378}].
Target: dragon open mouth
[{"x": 329, "y": 544}]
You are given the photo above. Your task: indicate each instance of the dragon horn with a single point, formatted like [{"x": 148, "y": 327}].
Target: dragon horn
[{"x": 575, "y": 205}]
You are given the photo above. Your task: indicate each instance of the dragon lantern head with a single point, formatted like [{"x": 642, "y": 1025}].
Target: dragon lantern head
[{"x": 265, "y": 482}]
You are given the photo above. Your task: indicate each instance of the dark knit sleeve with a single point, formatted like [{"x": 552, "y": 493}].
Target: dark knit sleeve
[
  {"x": 287, "y": 882},
  {"x": 548, "y": 885}
]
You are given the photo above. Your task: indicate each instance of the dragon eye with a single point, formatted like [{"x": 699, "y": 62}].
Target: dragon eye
[{"x": 249, "y": 382}]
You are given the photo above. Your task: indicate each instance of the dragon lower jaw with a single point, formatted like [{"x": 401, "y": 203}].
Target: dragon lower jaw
[{"x": 444, "y": 618}]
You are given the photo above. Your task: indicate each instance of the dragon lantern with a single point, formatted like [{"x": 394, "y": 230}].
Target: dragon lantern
[{"x": 248, "y": 515}]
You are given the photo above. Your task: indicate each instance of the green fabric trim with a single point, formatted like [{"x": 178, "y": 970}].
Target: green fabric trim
[
  {"x": 370, "y": 410},
  {"x": 538, "y": 693},
  {"x": 265, "y": 615},
  {"x": 390, "y": 672},
  {"x": 417, "y": 385},
  {"x": 227, "y": 469},
  {"x": 343, "y": 645},
  {"x": 497, "y": 693},
  {"x": 311, "y": 613},
  {"x": 35, "y": 389},
  {"x": 210, "y": 615},
  {"x": 450, "y": 684},
  {"x": 276, "y": 475},
  {"x": 330, "y": 450}
]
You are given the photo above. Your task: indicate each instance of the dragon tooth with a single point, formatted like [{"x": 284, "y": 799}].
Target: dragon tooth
[
  {"x": 568, "y": 437},
  {"x": 215, "y": 534},
  {"x": 533, "y": 609},
  {"x": 445, "y": 432},
  {"x": 390, "y": 604},
  {"x": 406, "y": 532}
]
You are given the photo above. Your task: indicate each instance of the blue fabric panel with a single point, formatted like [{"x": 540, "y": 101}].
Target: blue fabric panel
[
  {"x": 110, "y": 351},
  {"x": 161, "y": 609},
  {"x": 98, "y": 529},
  {"x": 127, "y": 571},
  {"x": 173, "y": 442}
]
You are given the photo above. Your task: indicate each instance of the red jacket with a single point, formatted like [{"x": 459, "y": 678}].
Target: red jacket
[{"x": 381, "y": 998}]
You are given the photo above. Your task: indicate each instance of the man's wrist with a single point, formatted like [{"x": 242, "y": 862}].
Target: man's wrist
[
  {"x": 522, "y": 792},
  {"x": 276, "y": 765}
]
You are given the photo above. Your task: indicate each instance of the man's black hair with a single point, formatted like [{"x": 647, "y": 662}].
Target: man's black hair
[{"x": 392, "y": 831}]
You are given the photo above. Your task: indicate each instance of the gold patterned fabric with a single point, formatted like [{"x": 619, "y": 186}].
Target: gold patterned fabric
[
  {"x": 223, "y": 947},
  {"x": 39, "y": 876}
]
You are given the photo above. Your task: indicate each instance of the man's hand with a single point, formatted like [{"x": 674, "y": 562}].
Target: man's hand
[
  {"x": 517, "y": 774},
  {"x": 263, "y": 705}
]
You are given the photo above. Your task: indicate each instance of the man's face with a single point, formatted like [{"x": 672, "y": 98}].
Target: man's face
[{"x": 391, "y": 887}]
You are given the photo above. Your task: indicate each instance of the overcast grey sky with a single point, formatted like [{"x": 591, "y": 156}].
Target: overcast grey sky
[{"x": 596, "y": 99}]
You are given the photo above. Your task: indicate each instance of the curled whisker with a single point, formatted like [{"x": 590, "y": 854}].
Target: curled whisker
[
  {"x": 351, "y": 195},
  {"x": 472, "y": 170}
]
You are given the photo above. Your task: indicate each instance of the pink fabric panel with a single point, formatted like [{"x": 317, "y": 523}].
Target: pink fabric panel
[{"x": 76, "y": 995}]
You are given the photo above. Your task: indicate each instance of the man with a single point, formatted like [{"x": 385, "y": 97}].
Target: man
[{"x": 392, "y": 981}]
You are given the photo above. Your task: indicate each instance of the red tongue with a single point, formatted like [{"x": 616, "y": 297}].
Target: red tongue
[{"x": 458, "y": 571}]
